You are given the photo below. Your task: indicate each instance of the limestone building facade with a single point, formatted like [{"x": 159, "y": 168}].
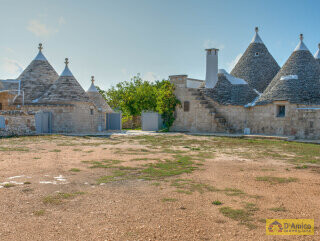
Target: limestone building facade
[
  {"x": 257, "y": 97},
  {"x": 58, "y": 104}
]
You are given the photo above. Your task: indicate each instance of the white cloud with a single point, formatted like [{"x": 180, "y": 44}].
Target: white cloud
[
  {"x": 62, "y": 20},
  {"x": 207, "y": 44},
  {"x": 12, "y": 67},
  {"x": 150, "y": 76},
  {"x": 40, "y": 29},
  {"x": 233, "y": 63}
]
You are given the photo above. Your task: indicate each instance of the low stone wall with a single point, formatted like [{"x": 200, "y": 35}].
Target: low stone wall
[{"x": 13, "y": 123}]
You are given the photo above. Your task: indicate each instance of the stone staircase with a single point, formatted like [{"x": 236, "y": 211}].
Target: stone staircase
[{"x": 208, "y": 104}]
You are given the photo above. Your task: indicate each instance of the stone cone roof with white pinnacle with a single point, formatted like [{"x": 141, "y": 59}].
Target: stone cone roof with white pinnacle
[
  {"x": 97, "y": 98},
  {"x": 298, "y": 81},
  {"x": 256, "y": 66},
  {"x": 65, "y": 90},
  {"x": 37, "y": 78}
]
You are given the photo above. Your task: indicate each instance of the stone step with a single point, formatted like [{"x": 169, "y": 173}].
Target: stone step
[{"x": 204, "y": 102}]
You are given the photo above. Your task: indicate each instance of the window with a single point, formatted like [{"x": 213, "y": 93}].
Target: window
[
  {"x": 91, "y": 111},
  {"x": 186, "y": 106},
  {"x": 0, "y": 106},
  {"x": 281, "y": 111},
  {"x": 256, "y": 54}
]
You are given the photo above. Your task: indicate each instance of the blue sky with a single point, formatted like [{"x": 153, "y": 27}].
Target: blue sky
[{"x": 115, "y": 39}]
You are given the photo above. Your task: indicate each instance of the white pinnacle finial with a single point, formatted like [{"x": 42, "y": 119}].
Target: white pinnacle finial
[
  {"x": 40, "y": 55},
  {"x": 301, "y": 45},
  {"x": 66, "y": 71},
  {"x": 92, "y": 87},
  {"x": 256, "y": 37}
]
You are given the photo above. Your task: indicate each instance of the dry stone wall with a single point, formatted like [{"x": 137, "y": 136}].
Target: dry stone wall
[{"x": 14, "y": 123}]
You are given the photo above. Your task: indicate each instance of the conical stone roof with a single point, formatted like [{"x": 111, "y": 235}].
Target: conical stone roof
[
  {"x": 65, "y": 90},
  {"x": 298, "y": 81},
  {"x": 256, "y": 66},
  {"x": 230, "y": 90},
  {"x": 37, "y": 78},
  {"x": 317, "y": 54},
  {"x": 97, "y": 98}
]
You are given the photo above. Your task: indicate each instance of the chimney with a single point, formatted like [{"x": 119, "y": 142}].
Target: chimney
[{"x": 212, "y": 68}]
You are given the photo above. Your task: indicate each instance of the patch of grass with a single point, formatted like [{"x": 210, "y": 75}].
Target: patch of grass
[
  {"x": 217, "y": 203},
  {"x": 36, "y": 158},
  {"x": 190, "y": 186},
  {"x": 27, "y": 183},
  {"x": 14, "y": 149},
  {"x": 155, "y": 184},
  {"x": 233, "y": 192},
  {"x": 267, "y": 169},
  {"x": 302, "y": 167},
  {"x": 276, "y": 180},
  {"x": 74, "y": 170},
  {"x": 55, "y": 150},
  {"x": 167, "y": 168},
  {"x": 236, "y": 214},
  {"x": 104, "y": 163},
  {"x": 58, "y": 198},
  {"x": 278, "y": 209},
  {"x": 8, "y": 185},
  {"x": 169, "y": 199},
  {"x": 244, "y": 216},
  {"x": 40, "y": 212},
  {"x": 76, "y": 149},
  {"x": 117, "y": 175}
]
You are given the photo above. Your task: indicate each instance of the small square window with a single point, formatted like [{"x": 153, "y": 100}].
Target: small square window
[
  {"x": 186, "y": 106},
  {"x": 256, "y": 54},
  {"x": 0, "y": 106},
  {"x": 281, "y": 111}
]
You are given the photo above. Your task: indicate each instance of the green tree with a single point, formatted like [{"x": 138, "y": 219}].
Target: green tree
[
  {"x": 167, "y": 102},
  {"x": 137, "y": 95}
]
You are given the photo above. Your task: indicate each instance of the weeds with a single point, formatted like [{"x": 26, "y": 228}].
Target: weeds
[{"x": 276, "y": 180}]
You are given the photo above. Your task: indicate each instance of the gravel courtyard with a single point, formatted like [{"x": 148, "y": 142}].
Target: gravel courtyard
[{"x": 154, "y": 187}]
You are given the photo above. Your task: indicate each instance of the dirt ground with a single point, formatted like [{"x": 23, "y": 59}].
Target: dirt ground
[{"x": 159, "y": 187}]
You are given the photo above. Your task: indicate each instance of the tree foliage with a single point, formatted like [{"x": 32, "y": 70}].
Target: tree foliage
[{"x": 137, "y": 95}]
